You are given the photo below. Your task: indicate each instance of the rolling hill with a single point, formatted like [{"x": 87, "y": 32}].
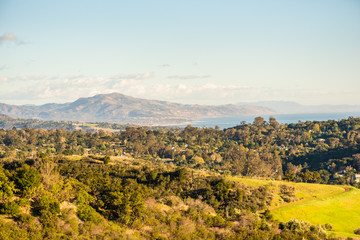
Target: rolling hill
[
  {"x": 314, "y": 203},
  {"x": 119, "y": 108}
]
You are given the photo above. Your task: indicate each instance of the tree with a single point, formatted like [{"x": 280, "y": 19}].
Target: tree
[
  {"x": 6, "y": 187},
  {"x": 273, "y": 122},
  {"x": 27, "y": 178},
  {"x": 259, "y": 121},
  {"x": 106, "y": 159}
]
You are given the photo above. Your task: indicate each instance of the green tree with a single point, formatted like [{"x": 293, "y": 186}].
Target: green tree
[
  {"x": 27, "y": 178},
  {"x": 7, "y": 187}
]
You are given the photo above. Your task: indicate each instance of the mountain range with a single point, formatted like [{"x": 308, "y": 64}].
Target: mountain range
[{"x": 119, "y": 108}]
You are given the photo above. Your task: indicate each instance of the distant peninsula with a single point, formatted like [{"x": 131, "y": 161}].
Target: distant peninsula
[{"x": 122, "y": 109}]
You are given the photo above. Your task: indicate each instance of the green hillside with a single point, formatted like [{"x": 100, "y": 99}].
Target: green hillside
[
  {"x": 314, "y": 203},
  {"x": 289, "y": 193},
  {"x": 342, "y": 211},
  {"x": 144, "y": 183}
]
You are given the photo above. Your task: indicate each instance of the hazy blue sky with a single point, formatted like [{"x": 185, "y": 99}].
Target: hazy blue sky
[{"x": 199, "y": 51}]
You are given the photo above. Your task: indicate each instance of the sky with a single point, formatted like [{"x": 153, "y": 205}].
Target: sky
[{"x": 194, "y": 52}]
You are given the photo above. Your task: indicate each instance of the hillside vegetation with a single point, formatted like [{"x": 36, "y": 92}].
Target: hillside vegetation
[
  {"x": 342, "y": 211},
  {"x": 191, "y": 183},
  {"x": 290, "y": 193},
  {"x": 317, "y": 204},
  {"x": 97, "y": 197}
]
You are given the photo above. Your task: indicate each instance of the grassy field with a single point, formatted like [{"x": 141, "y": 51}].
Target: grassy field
[
  {"x": 302, "y": 191},
  {"x": 342, "y": 211},
  {"x": 316, "y": 204}
]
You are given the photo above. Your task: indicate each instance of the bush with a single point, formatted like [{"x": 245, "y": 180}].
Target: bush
[
  {"x": 46, "y": 203},
  {"x": 6, "y": 187},
  {"x": 48, "y": 220},
  {"x": 357, "y": 231},
  {"x": 27, "y": 178},
  {"x": 268, "y": 215},
  {"x": 25, "y": 218},
  {"x": 287, "y": 193},
  {"x": 319, "y": 230},
  {"x": 214, "y": 221},
  {"x": 23, "y": 202},
  {"x": 106, "y": 160},
  {"x": 327, "y": 227},
  {"x": 10, "y": 208},
  {"x": 88, "y": 214},
  {"x": 295, "y": 225}
]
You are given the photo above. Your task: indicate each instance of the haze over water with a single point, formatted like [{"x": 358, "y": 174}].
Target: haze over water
[{"x": 226, "y": 122}]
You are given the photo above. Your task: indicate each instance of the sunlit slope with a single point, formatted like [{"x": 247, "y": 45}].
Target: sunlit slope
[
  {"x": 302, "y": 192},
  {"x": 342, "y": 211},
  {"x": 314, "y": 203}
]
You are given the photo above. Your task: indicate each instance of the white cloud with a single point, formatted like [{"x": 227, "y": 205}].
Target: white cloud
[
  {"x": 208, "y": 93},
  {"x": 44, "y": 89},
  {"x": 4, "y": 79},
  {"x": 188, "y": 77},
  {"x": 314, "y": 92},
  {"x": 138, "y": 76},
  {"x": 9, "y": 37}
]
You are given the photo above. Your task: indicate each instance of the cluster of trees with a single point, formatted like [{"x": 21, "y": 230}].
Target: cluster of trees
[
  {"x": 56, "y": 198},
  {"x": 307, "y": 151},
  {"x": 94, "y": 196}
]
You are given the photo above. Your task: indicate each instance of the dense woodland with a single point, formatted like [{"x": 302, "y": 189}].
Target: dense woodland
[
  {"x": 321, "y": 152},
  {"x": 61, "y": 184}
]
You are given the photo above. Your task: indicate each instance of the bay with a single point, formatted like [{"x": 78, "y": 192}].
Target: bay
[{"x": 226, "y": 122}]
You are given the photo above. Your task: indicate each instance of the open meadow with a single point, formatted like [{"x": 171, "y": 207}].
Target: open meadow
[
  {"x": 342, "y": 211},
  {"x": 314, "y": 203}
]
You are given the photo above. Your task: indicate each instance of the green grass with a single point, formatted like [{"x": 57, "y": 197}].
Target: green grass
[
  {"x": 303, "y": 191},
  {"x": 316, "y": 204},
  {"x": 342, "y": 211}
]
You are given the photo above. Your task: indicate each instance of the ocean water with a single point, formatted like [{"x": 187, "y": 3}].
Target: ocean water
[{"x": 226, "y": 122}]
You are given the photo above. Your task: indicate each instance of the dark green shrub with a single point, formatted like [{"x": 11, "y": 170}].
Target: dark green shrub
[
  {"x": 27, "y": 178},
  {"x": 154, "y": 174},
  {"x": 83, "y": 197},
  {"x": 214, "y": 221},
  {"x": 88, "y": 214},
  {"x": 6, "y": 186},
  {"x": 106, "y": 159},
  {"x": 46, "y": 203},
  {"x": 47, "y": 219},
  {"x": 9, "y": 230},
  {"x": 10, "y": 208},
  {"x": 327, "y": 227},
  {"x": 295, "y": 226},
  {"x": 25, "y": 218},
  {"x": 268, "y": 215}
]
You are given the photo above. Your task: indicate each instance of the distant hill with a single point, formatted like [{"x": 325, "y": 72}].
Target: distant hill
[
  {"x": 7, "y": 123},
  {"x": 119, "y": 108},
  {"x": 294, "y": 107}
]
